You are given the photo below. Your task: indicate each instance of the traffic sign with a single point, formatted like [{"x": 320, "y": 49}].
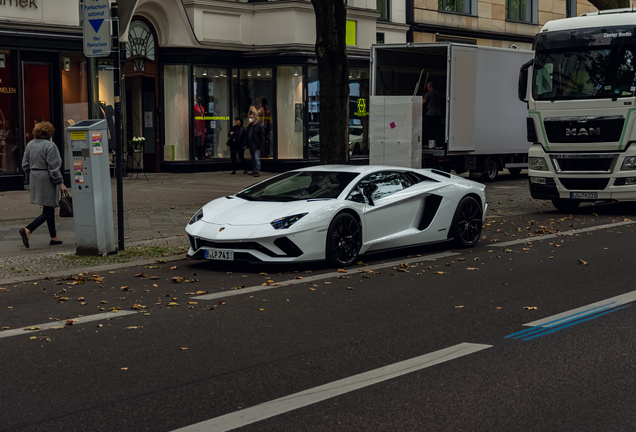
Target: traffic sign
[{"x": 97, "y": 31}]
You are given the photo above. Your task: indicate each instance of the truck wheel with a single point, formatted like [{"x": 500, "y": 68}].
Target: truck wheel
[
  {"x": 566, "y": 205},
  {"x": 514, "y": 171},
  {"x": 491, "y": 170}
]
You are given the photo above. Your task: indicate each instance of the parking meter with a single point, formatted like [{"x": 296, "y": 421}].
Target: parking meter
[{"x": 92, "y": 197}]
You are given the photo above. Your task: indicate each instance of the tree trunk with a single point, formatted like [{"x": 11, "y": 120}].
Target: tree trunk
[
  {"x": 333, "y": 74},
  {"x": 610, "y": 4}
]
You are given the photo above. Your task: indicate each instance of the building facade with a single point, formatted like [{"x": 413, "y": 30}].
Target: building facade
[
  {"x": 496, "y": 23},
  {"x": 191, "y": 68}
]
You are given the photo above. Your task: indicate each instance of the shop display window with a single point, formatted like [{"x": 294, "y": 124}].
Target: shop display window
[
  {"x": 211, "y": 112},
  {"x": 358, "y": 111},
  {"x": 177, "y": 109},
  {"x": 253, "y": 92},
  {"x": 10, "y": 148},
  {"x": 290, "y": 118}
]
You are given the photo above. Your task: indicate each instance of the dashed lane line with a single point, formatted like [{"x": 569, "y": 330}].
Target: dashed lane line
[
  {"x": 79, "y": 320},
  {"x": 327, "y": 391}
]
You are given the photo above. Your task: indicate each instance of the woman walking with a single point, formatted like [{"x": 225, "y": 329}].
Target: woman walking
[{"x": 42, "y": 162}]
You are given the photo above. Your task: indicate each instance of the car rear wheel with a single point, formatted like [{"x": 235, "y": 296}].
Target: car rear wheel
[
  {"x": 467, "y": 222},
  {"x": 344, "y": 239},
  {"x": 491, "y": 170}
]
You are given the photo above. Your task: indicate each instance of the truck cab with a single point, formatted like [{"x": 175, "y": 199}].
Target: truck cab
[{"x": 580, "y": 89}]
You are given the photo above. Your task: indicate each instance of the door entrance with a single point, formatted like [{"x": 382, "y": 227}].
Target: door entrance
[{"x": 36, "y": 96}]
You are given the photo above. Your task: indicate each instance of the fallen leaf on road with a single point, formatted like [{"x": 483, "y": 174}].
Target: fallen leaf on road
[
  {"x": 184, "y": 348},
  {"x": 124, "y": 288},
  {"x": 459, "y": 307},
  {"x": 141, "y": 275},
  {"x": 342, "y": 271},
  {"x": 439, "y": 273},
  {"x": 124, "y": 368},
  {"x": 472, "y": 268},
  {"x": 530, "y": 307},
  {"x": 173, "y": 268},
  {"x": 582, "y": 262},
  {"x": 70, "y": 322},
  {"x": 177, "y": 279}
]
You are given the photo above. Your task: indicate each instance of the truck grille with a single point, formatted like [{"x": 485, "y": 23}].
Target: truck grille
[
  {"x": 584, "y": 183},
  {"x": 594, "y": 163},
  {"x": 584, "y": 129}
]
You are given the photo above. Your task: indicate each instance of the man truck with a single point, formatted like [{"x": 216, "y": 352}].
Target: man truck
[
  {"x": 580, "y": 100},
  {"x": 481, "y": 126}
]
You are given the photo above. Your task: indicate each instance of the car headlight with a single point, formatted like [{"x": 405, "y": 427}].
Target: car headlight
[
  {"x": 287, "y": 221},
  {"x": 538, "y": 164},
  {"x": 197, "y": 217},
  {"x": 629, "y": 163}
]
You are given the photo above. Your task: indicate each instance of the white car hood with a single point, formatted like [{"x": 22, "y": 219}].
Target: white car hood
[{"x": 237, "y": 211}]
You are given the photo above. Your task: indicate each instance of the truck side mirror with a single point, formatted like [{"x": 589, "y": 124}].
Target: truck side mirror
[{"x": 523, "y": 81}]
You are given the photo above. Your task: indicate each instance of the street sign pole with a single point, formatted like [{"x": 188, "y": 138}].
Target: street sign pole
[{"x": 119, "y": 163}]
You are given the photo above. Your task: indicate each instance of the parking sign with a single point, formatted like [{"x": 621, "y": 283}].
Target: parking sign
[{"x": 97, "y": 31}]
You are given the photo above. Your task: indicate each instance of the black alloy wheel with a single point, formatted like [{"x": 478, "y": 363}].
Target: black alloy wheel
[
  {"x": 467, "y": 222},
  {"x": 344, "y": 240}
]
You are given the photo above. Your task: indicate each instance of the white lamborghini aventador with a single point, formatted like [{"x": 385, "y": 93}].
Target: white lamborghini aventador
[{"x": 337, "y": 213}]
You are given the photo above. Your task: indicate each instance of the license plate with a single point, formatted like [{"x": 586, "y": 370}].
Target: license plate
[
  {"x": 584, "y": 195},
  {"x": 219, "y": 254}
]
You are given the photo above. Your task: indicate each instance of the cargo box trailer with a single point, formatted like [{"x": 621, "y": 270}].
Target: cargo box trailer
[{"x": 482, "y": 127}]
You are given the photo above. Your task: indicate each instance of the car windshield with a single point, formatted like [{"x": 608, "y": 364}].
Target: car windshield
[
  {"x": 599, "y": 66},
  {"x": 300, "y": 185}
]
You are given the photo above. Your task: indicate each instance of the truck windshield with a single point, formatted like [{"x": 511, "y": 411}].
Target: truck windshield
[{"x": 585, "y": 64}]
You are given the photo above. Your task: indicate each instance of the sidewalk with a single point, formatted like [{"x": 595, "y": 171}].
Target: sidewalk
[{"x": 156, "y": 212}]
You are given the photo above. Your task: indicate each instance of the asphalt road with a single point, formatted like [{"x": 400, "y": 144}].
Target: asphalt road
[{"x": 427, "y": 339}]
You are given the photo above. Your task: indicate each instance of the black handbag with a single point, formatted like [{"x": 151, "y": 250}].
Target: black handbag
[{"x": 66, "y": 205}]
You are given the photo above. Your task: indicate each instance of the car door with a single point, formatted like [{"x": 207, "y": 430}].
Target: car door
[{"x": 392, "y": 209}]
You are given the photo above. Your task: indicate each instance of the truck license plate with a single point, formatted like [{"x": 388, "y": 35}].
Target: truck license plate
[
  {"x": 584, "y": 195},
  {"x": 219, "y": 254}
]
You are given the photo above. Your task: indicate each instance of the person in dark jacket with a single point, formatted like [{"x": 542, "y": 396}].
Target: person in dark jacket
[
  {"x": 235, "y": 144},
  {"x": 254, "y": 141},
  {"x": 42, "y": 162}
]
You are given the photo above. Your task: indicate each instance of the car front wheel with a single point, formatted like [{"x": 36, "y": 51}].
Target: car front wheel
[
  {"x": 344, "y": 239},
  {"x": 467, "y": 222}
]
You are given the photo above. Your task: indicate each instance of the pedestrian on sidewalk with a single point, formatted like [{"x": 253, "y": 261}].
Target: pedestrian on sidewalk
[
  {"x": 42, "y": 162},
  {"x": 254, "y": 141},
  {"x": 235, "y": 145}
]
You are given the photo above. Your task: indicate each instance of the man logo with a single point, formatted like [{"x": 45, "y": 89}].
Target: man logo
[
  {"x": 221, "y": 229},
  {"x": 583, "y": 131}
]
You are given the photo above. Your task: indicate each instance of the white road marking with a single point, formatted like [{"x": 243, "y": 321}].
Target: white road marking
[
  {"x": 78, "y": 320},
  {"x": 318, "y": 394},
  {"x": 603, "y": 304},
  {"x": 562, "y": 234},
  {"x": 330, "y": 275}
]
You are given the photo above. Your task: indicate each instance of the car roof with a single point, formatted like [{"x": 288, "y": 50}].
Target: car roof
[{"x": 360, "y": 169}]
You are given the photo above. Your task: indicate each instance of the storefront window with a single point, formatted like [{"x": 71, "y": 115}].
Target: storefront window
[
  {"x": 10, "y": 152},
  {"x": 106, "y": 97},
  {"x": 74, "y": 93},
  {"x": 211, "y": 113},
  {"x": 289, "y": 103},
  {"x": 253, "y": 90},
  {"x": 177, "y": 109},
  {"x": 358, "y": 111}
]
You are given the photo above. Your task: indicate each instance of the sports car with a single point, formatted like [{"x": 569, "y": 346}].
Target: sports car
[{"x": 337, "y": 213}]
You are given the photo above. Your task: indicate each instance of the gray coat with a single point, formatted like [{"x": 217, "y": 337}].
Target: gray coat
[{"x": 43, "y": 162}]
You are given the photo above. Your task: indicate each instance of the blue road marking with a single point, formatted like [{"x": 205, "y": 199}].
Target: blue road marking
[
  {"x": 565, "y": 322},
  {"x": 577, "y": 322}
]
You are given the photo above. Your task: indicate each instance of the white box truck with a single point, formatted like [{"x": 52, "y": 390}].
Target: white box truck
[
  {"x": 482, "y": 126},
  {"x": 581, "y": 100}
]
